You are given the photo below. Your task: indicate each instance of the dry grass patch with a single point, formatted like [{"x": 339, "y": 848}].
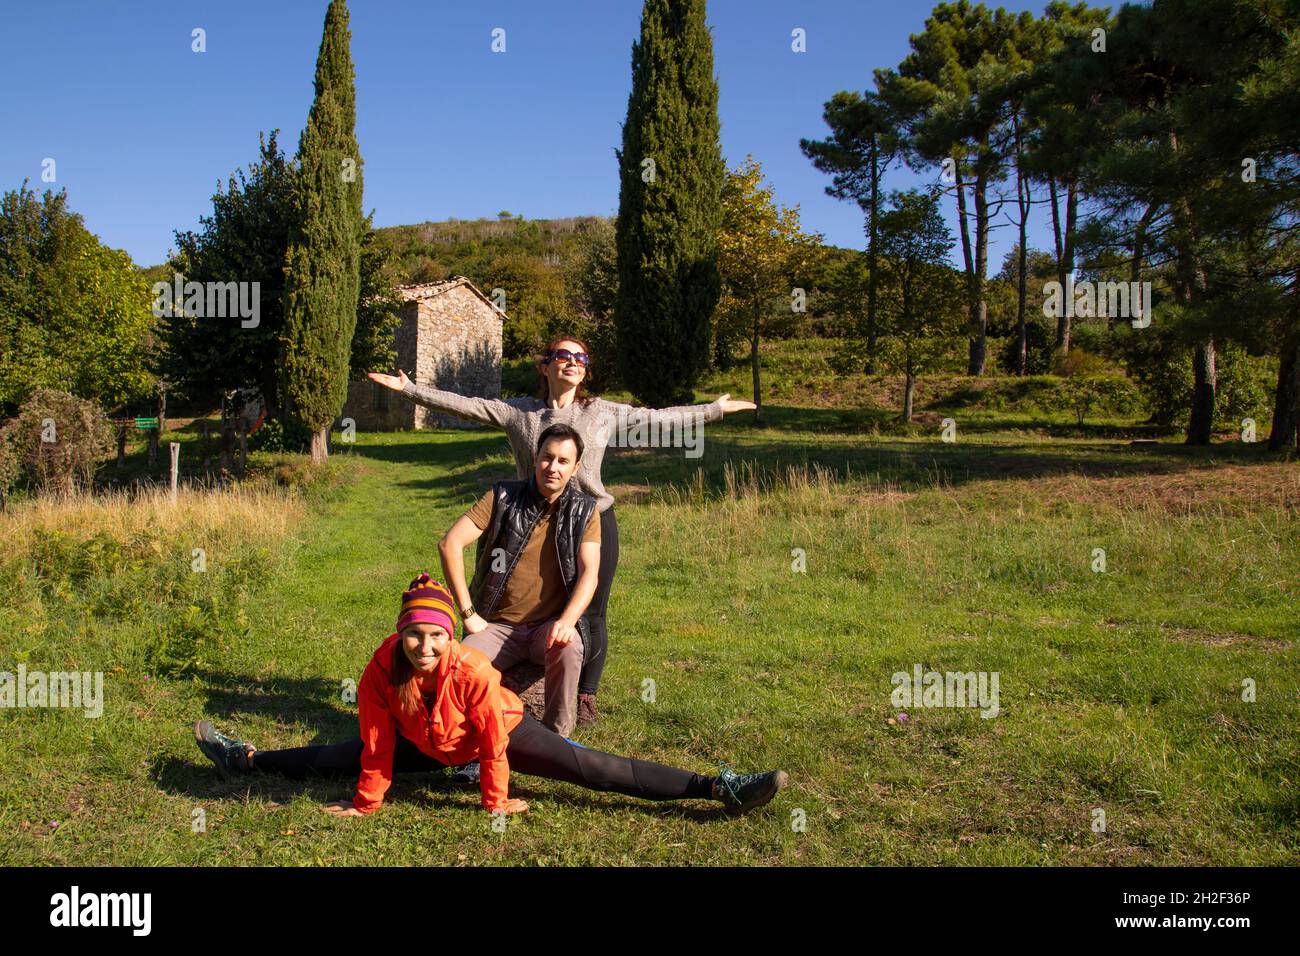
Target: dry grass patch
[
  {"x": 1192, "y": 635},
  {"x": 239, "y": 515},
  {"x": 1228, "y": 489}
]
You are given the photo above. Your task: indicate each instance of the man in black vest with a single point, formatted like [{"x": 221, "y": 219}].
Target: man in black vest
[{"x": 538, "y": 560}]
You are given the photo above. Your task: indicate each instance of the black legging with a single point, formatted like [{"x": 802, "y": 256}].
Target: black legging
[
  {"x": 594, "y": 665},
  {"x": 533, "y": 749}
]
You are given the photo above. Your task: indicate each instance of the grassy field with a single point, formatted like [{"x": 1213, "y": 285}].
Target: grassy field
[{"x": 1120, "y": 691}]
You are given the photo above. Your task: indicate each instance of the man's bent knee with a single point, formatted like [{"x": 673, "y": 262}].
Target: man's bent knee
[{"x": 570, "y": 654}]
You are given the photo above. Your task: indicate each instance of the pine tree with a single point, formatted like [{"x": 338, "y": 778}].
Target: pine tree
[
  {"x": 322, "y": 271},
  {"x": 1169, "y": 123},
  {"x": 949, "y": 95},
  {"x": 865, "y": 141},
  {"x": 670, "y": 206}
]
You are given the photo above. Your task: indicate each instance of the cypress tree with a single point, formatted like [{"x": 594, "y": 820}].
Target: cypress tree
[
  {"x": 670, "y": 206},
  {"x": 322, "y": 268}
]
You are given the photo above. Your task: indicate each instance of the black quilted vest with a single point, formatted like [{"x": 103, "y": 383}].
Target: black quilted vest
[{"x": 517, "y": 507}]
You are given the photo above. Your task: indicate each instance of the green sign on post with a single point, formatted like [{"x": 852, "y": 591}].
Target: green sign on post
[{"x": 146, "y": 423}]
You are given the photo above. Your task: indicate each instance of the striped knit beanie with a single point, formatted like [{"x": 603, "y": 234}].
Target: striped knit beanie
[{"x": 426, "y": 601}]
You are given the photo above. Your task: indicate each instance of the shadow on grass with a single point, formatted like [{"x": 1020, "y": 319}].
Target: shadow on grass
[
  {"x": 199, "y": 780},
  {"x": 864, "y": 442},
  {"x": 315, "y": 701},
  {"x": 580, "y": 798},
  {"x": 456, "y": 458},
  {"x": 466, "y": 463},
  {"x": 914, "y": 465}
]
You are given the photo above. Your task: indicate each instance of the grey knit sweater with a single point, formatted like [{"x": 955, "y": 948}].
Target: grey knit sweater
[{"x": 600, "y": 423}]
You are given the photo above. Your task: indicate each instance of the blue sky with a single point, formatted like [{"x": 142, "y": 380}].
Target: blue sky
[{"x": 142, "y": 128}]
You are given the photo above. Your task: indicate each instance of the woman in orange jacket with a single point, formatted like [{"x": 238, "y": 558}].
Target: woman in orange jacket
[{"x": 425, "y": 701}]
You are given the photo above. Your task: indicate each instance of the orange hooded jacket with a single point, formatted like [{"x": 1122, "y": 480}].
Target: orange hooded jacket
[{"x": 471, "y": 718}]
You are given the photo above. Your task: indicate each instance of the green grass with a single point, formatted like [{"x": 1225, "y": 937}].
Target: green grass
[{"x": 1120, "y": 691}]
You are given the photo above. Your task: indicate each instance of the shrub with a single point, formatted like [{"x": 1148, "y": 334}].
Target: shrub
[
  {"x": 1039, "y": 344},
  {"x": 1085, "y": 393},
  {"x": 275, "y": 435},
  {"x": 1079, "y": 362},
  {"x": 1162, "y": 370},
  {"x": 1089, "y": 336},
  {"x": 10, "y": 466},
  {"x": 56, "y": 442},
  {"x": 1042, "y": 393},
  {"x": 1243, "y": 388},
  {"x": 850, "y": 358},
  {"x": 270, "y": 437}
]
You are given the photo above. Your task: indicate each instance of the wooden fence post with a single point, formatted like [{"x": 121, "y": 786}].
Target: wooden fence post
[{"x": 175, "y": 448}]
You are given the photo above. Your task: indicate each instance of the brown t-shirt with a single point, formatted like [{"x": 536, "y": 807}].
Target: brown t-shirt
[{"x": 535, "y": 589}]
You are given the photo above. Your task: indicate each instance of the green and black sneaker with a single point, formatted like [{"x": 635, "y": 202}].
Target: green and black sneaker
[
  {"x": 741, "y": 793},
  {"x": 228, "y": 753}
]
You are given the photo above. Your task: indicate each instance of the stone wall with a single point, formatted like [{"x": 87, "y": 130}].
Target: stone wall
[
  {"x": 449, "y": 338},
  {"x": 459, "y": 350},
  {"x": 374, "y": 407}
]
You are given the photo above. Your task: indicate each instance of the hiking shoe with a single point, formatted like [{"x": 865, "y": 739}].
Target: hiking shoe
[
  {"x": 469, "y": 773},
  {"x": 587, "y": 713},
  {"x": 230, "y": 754},
  {"x": 741, "y": 793}
]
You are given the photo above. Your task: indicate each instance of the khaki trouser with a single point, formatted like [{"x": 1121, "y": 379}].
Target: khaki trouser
[{"x": 507, "y": 644}]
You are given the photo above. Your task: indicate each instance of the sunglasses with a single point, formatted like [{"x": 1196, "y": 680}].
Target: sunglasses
[{"x": 564, "y": 355}]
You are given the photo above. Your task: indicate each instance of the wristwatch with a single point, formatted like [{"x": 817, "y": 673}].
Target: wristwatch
[{"x": 467, "y": 612}]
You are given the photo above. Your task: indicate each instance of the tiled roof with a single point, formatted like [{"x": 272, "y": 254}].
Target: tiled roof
[{"x": 427, "y": 290}]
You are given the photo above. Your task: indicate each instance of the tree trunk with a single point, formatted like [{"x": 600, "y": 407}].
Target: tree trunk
[
  {"x": 753, "y": 367},
  {"x": 1059, "y": 246},
  {"x": 1139, "y": 244},
  {"x": 1286, "y": 401},
  {"x": 1191, "y": 286},
  {"x": 1201, "y": 424},
  {"x": 873, "y": 260},
  {"x": 1071, "y": 220},
  {"x": 268, "y": 390},
  {"x": 909, "y": 389},
  {"x": 226, "y": 460},
  {"x": 1022, "y": 333},
  {"x": 1056, "y": 220},
  {"x": 226, "y": 449},
  {"x": 162, "y": 409},
  {"x": 320, "y": 445},
  {"x": 980, "y": 315},
  {"x": 968, "y": 260},
  {"x": 1064, "y": 255}
]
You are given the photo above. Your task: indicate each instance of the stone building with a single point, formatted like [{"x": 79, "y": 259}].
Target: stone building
[{"x": 450, "y": 338}]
